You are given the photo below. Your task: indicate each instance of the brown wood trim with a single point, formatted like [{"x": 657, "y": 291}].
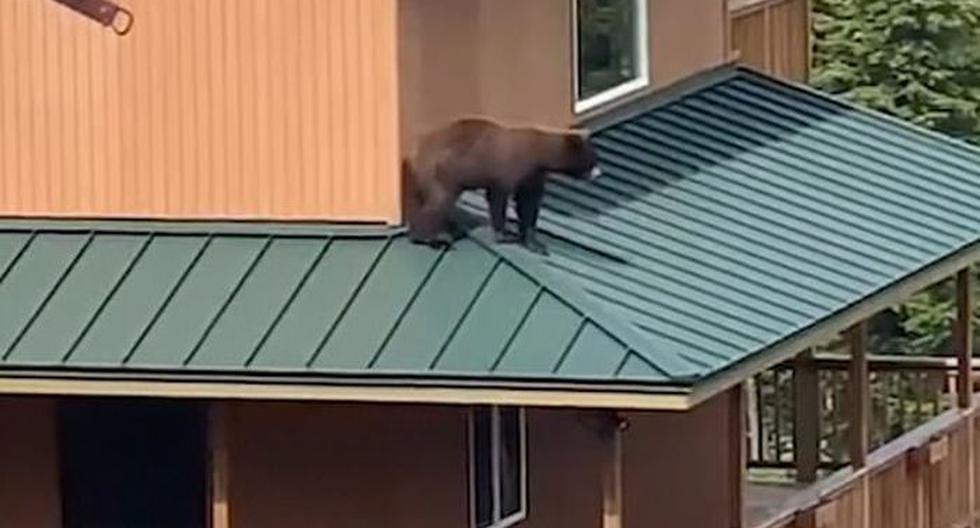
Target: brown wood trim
[
  {"x": 738, "y": 449},
  {"x": 728, "y": 46},
  {"x": 806, "y": 387},
  {"x": 767, "y": 37},
  {"x": 612, "y": 476},
  {"x": 859, "y": 395},
  {"x": 964, "y": 337},
  {"x": 220, "y": 516},
  {"x": 809, "y": 38}
]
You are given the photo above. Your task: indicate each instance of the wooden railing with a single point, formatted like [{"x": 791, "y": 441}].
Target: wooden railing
[
  {"x": 924, "y": 479},
  {"x": 906, "y": 391}
]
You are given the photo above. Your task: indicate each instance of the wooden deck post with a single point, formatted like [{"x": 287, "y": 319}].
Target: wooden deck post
[
  {"x": 964, "y": 338},
  {"x": 859, "y": 395},
  {"x": 806, "y": 417},
  {"x": 218, "y": 457}
]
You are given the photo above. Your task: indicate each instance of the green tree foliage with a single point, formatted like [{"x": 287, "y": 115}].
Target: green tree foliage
[{"x": 916, "y": 59}]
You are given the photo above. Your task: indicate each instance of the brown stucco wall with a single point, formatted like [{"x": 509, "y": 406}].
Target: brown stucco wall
[
  {"x": 680, "y": 468},
  {"x": 512, "y": 59},
  {"x": 564, "y": 458},
  {"x": 347, "y": 466},
  {"x": 340, "y": 466},
  {"x": 352, "y": 466},
  {"x": 686, "y": 36},
  {"x": 29, "y": 495}
]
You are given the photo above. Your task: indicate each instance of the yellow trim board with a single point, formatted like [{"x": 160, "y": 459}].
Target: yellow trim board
[{"x": 266, "y": 391}]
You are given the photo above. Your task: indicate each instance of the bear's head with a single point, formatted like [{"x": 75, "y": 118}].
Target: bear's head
[{"x": 579, "y": 159}]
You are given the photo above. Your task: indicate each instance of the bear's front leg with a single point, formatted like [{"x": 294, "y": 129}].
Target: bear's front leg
[
  {"x": 528, "y": 205},
  {"x": 497, "y": 205}
]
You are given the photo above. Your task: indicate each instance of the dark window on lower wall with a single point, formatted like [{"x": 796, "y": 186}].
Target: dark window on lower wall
[{"x": 133, "y": 463}]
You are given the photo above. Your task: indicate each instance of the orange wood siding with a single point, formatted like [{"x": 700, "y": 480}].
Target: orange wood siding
[
  {"x": 265, "y": 109},
  {"x": 773, "y": 36}
]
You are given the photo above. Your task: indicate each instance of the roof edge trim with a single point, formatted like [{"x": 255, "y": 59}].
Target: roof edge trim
[{"x": 243, "y": 390}]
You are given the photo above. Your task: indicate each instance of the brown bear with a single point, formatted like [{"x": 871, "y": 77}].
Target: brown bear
[{"x": 504, "y": 161}]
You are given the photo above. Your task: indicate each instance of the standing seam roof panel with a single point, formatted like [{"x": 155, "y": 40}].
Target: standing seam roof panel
[{"x": 730, "y": 220}]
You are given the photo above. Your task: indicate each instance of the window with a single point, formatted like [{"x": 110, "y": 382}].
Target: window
[
  {"x": 131, "y": 463},
  {"x": 498, "y": 466},
  {"x": 611, "y": 50}
]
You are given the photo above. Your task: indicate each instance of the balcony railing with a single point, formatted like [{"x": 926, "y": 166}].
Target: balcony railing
[
  {"x": 925, "y": 478},
  {"x": 906, "y": 392}
]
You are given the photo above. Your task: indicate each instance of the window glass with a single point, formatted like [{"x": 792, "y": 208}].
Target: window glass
[
  {"x": 498, "y": 462},
  {"x": 510, "y": 462},
  {"x": 132, "y": 464},
  {"x": 610, "y": 44},
  {"x": 482, "y": 467}
]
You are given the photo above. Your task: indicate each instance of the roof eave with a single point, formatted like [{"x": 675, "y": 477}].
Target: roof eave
[{"x": 571, "y": 395}]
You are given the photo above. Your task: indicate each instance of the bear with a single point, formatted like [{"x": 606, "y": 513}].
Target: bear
[{"x": 504, "y": 161}]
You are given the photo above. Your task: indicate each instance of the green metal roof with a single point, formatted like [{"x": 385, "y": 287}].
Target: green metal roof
[
  {"x": 741, "y": 212},
  {"x": 738, "y": 220},
  {"x": 343, "y": 303}
]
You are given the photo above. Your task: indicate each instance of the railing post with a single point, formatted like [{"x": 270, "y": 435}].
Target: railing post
[
  {"x": 859, "y": 395},
  {"x": 964, "y": 338},
  {"x": 964, "y": 374},
  {"x": 806, "y": 417}
]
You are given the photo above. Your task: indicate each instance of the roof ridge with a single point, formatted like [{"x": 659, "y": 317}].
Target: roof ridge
[{"x": 573, "y": 296}]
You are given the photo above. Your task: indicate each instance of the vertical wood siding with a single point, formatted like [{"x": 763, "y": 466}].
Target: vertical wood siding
[
  {"x": 926, "y": 479},
  {"x": 264, "y": 109},
  {"x": 773, "y": 36}
]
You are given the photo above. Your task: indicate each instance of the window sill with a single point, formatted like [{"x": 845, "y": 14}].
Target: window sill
[
  {"x": 611, "y": 95},
  {"x": 509, "y": 521}
]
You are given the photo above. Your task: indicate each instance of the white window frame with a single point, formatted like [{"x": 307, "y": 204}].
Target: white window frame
[
  {"x": 642, "y": 56},
  {"x": 495, "y": 468}
]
